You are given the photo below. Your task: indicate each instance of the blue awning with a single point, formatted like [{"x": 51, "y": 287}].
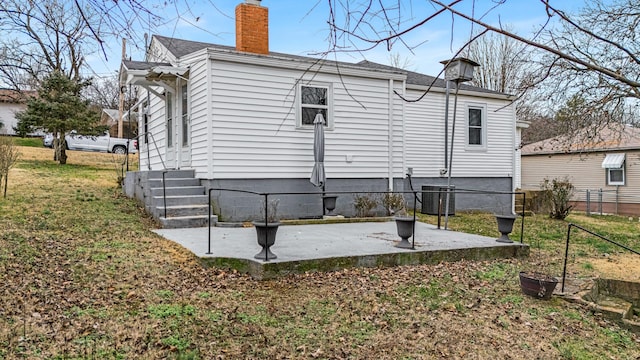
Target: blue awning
[{"x": 613, "y": 161}]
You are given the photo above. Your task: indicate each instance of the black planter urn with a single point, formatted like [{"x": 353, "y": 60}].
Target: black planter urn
[
  {"x": 329, "y": 203},
  {"x": 505, "y": 226},
  {"x": 405, "y": 225},
  {"x": 266, "y": 235}
]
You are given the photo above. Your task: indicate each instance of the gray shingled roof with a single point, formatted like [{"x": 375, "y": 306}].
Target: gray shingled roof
[{"x": 180, "y": 48}]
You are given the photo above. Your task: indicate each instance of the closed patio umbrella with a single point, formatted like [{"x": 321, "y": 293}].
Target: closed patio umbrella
[{"x": 318, "y": 177}]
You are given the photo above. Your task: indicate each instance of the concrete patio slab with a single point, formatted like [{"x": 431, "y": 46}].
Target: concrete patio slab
[{"x": 327, "y": 247}]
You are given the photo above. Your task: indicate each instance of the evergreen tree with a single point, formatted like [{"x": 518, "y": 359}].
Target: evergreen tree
[{"x": 58, "y": 109}]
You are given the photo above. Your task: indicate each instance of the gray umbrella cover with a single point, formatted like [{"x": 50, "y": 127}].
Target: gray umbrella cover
[{"x": 318, "y": 177}]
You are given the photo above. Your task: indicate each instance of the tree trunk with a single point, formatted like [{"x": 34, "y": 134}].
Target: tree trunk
[
  {"x": 56, "y": 148},
  {"x": 62, "y": 157}
]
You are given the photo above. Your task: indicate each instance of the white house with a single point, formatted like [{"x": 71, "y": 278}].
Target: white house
[
  {"x": 12, "y": 102},
  {"x": 241, "y": 118}
]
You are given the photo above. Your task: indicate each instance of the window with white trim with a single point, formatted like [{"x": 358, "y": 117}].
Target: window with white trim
[
  {"x": 476, "y": 127},
  {"x": 314, "y": 99},
  {"x": 615, "y": 176},
  {"x": 614, "y": 166}
]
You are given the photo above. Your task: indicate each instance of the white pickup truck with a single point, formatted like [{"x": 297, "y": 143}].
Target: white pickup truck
[{"x": 103, "y": 143}]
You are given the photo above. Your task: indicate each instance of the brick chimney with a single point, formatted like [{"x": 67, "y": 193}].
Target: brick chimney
[{"x": 252, "y": 27}]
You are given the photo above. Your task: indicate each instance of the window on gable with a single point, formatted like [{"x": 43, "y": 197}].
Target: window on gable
[
  {"x": 314, "y": 99},
  {"x": 476, "y": 127},
  {"x": 614, "y": 166}
]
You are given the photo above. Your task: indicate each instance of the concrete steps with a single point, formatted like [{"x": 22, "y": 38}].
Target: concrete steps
[
  {"x": 616, "y": 300},
  {"x": 181, "y": 203}
]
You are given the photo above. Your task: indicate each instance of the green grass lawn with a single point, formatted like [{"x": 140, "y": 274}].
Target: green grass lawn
[
  {"x": 83, "y": 277},
  {"x": 30, "y": 141}
]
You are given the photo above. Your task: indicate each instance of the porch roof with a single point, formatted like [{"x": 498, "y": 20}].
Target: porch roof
[{"x": 147, "y": 74}]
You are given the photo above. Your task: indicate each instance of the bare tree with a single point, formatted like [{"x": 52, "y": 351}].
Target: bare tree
[
  {"x": 593, "y": 54},
  {"x": 8, "y": 156},
  {"x": 502, "y": 63},
  {"x": 103, "y": 93},
  {"x": 41, "y": 37},
  {"x": 604, "y": 37},
  {"x": 398, "y": 61}
]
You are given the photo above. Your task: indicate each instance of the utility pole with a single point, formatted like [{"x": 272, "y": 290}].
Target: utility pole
[{"x": 121, "y": 90}]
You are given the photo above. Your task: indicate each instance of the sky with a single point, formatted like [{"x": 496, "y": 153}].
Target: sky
[{"x": 301, "y": 28}]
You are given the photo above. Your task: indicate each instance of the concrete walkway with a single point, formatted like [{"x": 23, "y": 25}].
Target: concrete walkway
[{"x": 327, "y": 247}]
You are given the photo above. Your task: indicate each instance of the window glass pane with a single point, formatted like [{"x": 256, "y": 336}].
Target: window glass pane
[
  {"x": 616, "y": 176},
  {"x": 309, "y": 114},
  {"x": 146, "y": 128},
  {"x": 314, "y": 95},
  {"x": 185, "y": 117},
  {"x": 475, "y": 136},
  {"x": 185, "y": 130},
  {"x": 169, "y": 120},
  {"x": 184, "y": 100},
  {"x": 170, "y": 133},
  {"x": 475, "y": 117}
]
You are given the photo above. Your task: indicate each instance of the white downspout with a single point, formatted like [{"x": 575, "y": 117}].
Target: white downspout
[
  {"x": 390, "y": 134},
  {"x": 514, "y": 153}
]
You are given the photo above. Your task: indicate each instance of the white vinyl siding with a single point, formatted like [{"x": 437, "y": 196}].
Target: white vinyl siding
[
  {"x": 424, "y": 129},
  {"x": 584, "y": 170},
  {"x": 255, "y": 133},
  {"x": 199, "y": 107},
  {"x": 8, "y": 117},
  {"x": 156, "y": 128}
]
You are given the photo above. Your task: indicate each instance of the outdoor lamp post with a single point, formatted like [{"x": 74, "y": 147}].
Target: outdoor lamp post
[{"x": 456, "y": 70}]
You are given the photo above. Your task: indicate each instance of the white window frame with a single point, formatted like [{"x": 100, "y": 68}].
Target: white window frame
[
  {"x": 328, "y": 107},
  {"x": 613, "y": 183},
  {"x": 483, "y": 128}
]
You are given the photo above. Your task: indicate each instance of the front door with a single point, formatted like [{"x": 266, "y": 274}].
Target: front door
[{"x": 178, "y": 128}]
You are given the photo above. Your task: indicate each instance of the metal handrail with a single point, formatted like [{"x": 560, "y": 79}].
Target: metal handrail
[
  {"x": 522, "y": 214},
  {"x": 155, "y": 144},
  {"x": 164, "y": 192},
  {"x": 566, "y": 250},
  {"x": 266, "y": 210}
]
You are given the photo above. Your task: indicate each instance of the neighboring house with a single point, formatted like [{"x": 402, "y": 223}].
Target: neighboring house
[
  {"x": 11, "y": 102},
  {"x": 109, "y": 118},
  {"x": 608, "y": 166},
  {"x": 241, "y": 118}
]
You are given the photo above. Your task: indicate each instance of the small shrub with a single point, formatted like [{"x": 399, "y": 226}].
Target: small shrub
[
  {"x": 393, "y": 203},
  {"x": 364, "y": 204},
  {"x": 558, "y": 193}
]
